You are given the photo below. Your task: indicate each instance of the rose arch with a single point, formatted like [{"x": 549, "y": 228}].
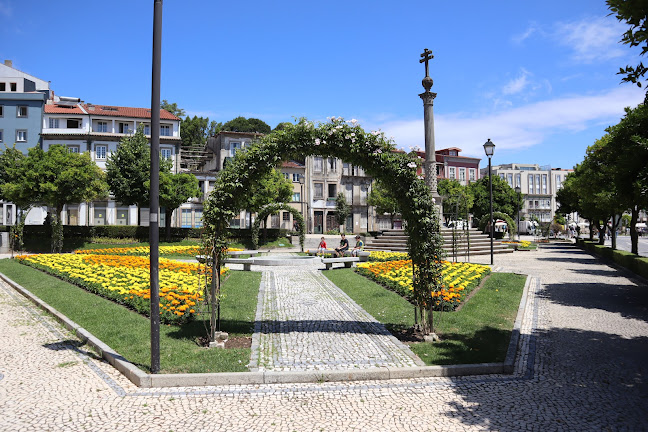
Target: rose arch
[
  {"x": 349, "y": 142},
  {"x": 272, "y": 209}
]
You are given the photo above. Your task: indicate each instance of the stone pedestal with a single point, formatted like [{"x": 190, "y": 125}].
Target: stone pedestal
[{"x": 221, "y": 338}]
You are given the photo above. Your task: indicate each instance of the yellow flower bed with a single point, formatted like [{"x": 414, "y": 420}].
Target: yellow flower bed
[
  {"x": 189, "y": 251},
  {"x": 458, "y": 279},
  {"x": 388, "y": 256},
  {"x": 522, "y": 243},
  {"x": 125, "y": 279}
]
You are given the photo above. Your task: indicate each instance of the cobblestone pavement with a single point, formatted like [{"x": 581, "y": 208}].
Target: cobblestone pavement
[
  {"x": 307, "y": 323},
  {"x": 582, "y": 369}
]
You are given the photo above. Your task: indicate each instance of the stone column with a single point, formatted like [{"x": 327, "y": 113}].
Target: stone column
[{"x": 430, "y": 152}]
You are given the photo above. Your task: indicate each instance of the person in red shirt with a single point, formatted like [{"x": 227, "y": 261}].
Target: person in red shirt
[{"x": 322, "y": 247}]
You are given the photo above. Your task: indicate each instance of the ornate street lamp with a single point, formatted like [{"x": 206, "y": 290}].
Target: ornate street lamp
[
  {"x": 489, "y": 148},
  {"x": 517, "y": 191}
]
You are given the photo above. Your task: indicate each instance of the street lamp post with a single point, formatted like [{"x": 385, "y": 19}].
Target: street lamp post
[
  {"x": 517, "y": 191},
  {"x": 302, "y": 180},
  {"x": 489, "y": 148}
]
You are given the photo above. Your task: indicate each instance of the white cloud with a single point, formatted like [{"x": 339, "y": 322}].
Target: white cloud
[
  {"x": 591, "y": 39},
  {"x": 527, "y": 34},
  {"x": 518, "y": 84},
  {"x": 521, "y": 127}
]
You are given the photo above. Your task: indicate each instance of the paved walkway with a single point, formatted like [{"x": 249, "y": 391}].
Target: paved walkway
[
  {"x": 584, "y": 369},
  {"x": 307, "y": 323}
]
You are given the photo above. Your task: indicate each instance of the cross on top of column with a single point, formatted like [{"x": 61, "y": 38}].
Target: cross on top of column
[{"x": 426, "y": 56}]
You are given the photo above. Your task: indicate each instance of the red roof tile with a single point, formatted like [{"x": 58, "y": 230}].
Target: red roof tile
[
  {"x": 63, "y": 109},
  {"x": 292, "y": 164},
  {"x": 116, "y": 111}
]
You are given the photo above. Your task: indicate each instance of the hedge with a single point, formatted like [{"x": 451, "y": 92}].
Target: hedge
[{"x": 634, "y": 263}]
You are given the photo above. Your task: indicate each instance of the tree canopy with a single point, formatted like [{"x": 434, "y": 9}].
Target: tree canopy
[
  {"x": 505, "y": 199},
  {"x": 457, "y": 198},
  {"x": 172, "y": 108},
  {"x": 635, "y": 14},
  {"x": 382, "y": 198},
  {"x": 242, "y": 124},
  {"x": 175, "y": 190},
  {"x": 342, "y": 210}
]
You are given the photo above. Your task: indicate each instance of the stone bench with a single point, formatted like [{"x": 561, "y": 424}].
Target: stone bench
[
  {"x": 246, "y": 263},
  {"x": 348, "y": 261},
  {"x": 363, "y": 255}
]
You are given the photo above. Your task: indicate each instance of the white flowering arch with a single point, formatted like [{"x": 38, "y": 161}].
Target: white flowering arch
[{"x": 349, "y": 142}]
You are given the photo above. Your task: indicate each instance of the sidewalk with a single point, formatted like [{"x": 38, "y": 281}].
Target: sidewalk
[{"x": 586, "y": 371}]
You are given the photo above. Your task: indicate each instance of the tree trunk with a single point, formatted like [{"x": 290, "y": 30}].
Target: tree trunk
[
  {"x": 591, "y": 231},
  {"x": 634, "y": 236},
  {"x": 169, "y": 215},
  {"x": 613, "y": 232},
  {"x": 602, "y": 229}
]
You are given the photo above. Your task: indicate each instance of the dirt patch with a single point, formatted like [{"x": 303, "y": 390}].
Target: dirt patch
[{"x": 233, "y": 342}]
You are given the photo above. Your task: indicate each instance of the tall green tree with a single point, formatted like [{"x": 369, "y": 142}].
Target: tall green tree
[
  {"x": 505, "y": 199},
  {"x": 457, "y": 198},
  {"x": 384, "y": 201},
  {"x": 242, "y": 124},
  {"x": 268, "y": 189},
  {"x": 634, "y": 13},
  {"x": 342, "y": 211},
  {"x": 63, "y": 178},
  {"x": 172, "y": 108},
  {"x": 176, "y": 189},
  {"x": 128, "y": 170},
  {"x": 19, "y": 187},
  {"x": 193, "y": 132},
  {"x": 626, "y": 154}
]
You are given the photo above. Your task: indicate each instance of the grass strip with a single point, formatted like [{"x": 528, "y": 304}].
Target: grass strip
[
  {"x": 128, "y": 332},
  {"x": 478, "y": 333}
]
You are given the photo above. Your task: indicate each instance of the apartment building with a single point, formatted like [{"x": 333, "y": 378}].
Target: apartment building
[{"x": 538, "y": 185}]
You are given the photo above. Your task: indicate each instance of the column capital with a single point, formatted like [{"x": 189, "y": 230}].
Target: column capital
[{"x": 428, "y": 97}]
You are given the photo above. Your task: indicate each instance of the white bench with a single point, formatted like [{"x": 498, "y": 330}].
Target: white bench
[
  {"x": 246, "y": 263},
  {"x": 348, "y": 261}
]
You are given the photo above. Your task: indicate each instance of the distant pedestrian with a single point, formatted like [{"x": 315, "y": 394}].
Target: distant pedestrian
[{"x": 321, "y": 249}]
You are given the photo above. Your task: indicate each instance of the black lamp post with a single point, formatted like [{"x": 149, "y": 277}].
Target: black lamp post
[
  {"x": 517, "y": 191},
  {"x": 489, "y": 148}
]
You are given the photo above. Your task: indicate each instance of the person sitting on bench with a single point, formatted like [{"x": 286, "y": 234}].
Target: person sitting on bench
[
  {"x": 358, "y": 247},
  {"x": 344, "y": 246}
]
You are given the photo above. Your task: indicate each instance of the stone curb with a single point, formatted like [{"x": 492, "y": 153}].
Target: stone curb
[{"x": 144, "y": 380}]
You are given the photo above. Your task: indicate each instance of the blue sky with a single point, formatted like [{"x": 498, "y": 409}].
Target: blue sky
[{"x": 537, "y": 78}]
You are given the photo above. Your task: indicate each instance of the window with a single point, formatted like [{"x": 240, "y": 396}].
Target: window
[
  {"x": 100, "y": 151},
  {"x": 73, "y": 149},
  {"x": 73, "y": 123},
  {"x": 1, "y": 135},
  {"x": 346, "y": 169},
  {"x": 14, "y": 87},
  {"x": 509, "y": 179},
  {"x": 318, "y": 190},
  {"x": 165, "y": 130},
  {"x": 558, "y": 181},
  {"x": 234, "y": 147},
  {"x": 3, "y": 86},
  {"x": 537, "y": 183},
  {"x": 54, "y": 123},
  {"x": 198, "y": 215},
  {"x": 462, "y": 174},
  {"x": 102, "y": 126},
  {"x": 122, "y": 216},
  {"x": 332, "y": 164},
  {"x": 147, "y": 129},
  {"x": 544, "y": 184},
  {"x": 286, "y": 216},
  {"x": 318, "y": 165},
  {"x": 286, "y": 175},
  {"x": 518, "y": 180},
  {"x": 1, "y": 110},
  {"x": 186, "y": 218},
  {"x": 531, "y": 184},
  {"x": 295, "y": 177},
  {"x": 348, "y": 192},
  {"x": 332, "y": 191},
  {"x": 21, "y": 111},
  {"x": 296, "y": 197},
  {"x": 165, "y": 153},
  {"x": 123, "y": 128},
  {"x": 451, "y": 172},
  {"x": 471, "y": 174},
  {"x": 21, "y": 135}
]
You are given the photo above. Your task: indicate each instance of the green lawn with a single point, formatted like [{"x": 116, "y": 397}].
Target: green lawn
[
  {"x": 179, "y": 351},
  {"x": 478, "y": 333}
]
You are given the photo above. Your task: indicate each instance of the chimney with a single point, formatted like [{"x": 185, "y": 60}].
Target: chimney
[{"x": 9, "y": 63}]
